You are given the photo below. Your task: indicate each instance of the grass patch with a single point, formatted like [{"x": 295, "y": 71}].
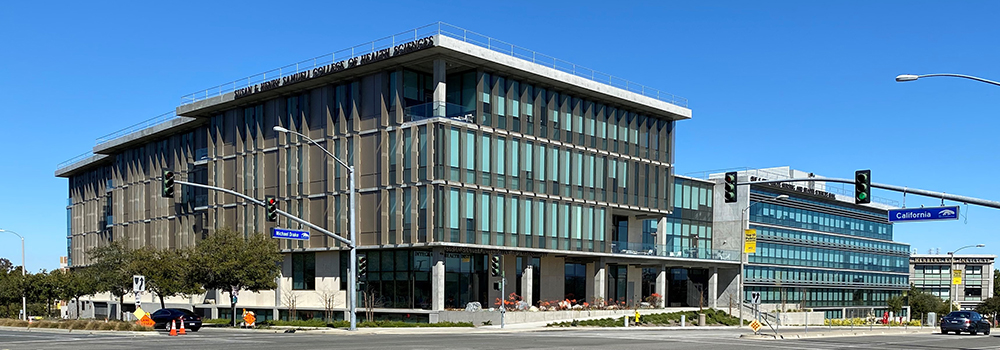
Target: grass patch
[{"x": 712, "y": 318}]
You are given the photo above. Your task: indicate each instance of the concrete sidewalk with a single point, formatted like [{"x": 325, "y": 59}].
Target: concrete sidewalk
[{"x": 819, "y": 331}]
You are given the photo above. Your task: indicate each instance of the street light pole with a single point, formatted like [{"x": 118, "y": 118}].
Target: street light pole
[
  {"x": 745, "y": 225},
  {"x": 352, "y": 278},
  {"x": 953, "y": 286},
  {"x": 24, "y": 297},
  {"x": 912, "y": 77}
]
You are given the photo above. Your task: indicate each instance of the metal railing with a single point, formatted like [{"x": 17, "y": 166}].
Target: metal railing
[
  {"x": 439, "y": 109},
  {"x": 137, "y": 126},
  {"x": 443, "y": 29},
  {"x": 649, "y": 249},
  {"x": 70, "y": 161}
]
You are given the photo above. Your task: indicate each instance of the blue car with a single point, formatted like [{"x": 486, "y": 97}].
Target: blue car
[{"x": 965, "y": 321}]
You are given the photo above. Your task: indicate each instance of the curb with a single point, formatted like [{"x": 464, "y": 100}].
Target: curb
[
  {"x": 822, "y": 334},
  {"x": 79, "y": 331}
]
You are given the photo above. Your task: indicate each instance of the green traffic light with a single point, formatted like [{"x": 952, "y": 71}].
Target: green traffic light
[{"x": 862, "y": 196}]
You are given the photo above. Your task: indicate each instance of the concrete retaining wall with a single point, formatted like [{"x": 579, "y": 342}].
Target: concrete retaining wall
[
  {"x": 799, "y": 318},
  {"x": 512, "y": 317}
]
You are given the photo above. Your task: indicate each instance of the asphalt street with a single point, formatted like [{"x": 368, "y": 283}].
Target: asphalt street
[{"x": 724, "y": 339}]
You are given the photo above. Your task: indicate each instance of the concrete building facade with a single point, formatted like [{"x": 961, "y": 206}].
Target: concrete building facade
[
  {"x": 931, "y": 273},
  {"x": 461, "y": 150}
]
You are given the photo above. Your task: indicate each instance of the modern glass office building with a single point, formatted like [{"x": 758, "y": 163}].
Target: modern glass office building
[
  {"x": 818, "y": 250},
  {"x": 463, "y": 149}
]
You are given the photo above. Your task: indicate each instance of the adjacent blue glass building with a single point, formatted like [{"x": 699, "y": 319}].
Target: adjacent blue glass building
[{"x": 818, "y": 250}]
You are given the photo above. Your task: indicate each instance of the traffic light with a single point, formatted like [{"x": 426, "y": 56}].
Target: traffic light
[
  {"x": 168, "y": 184},
  {"x": 271, "y": 205},
  {"x": 730, "y": 187},
  {"x": 862, "y": 186},
  {"x": 495, "y": 266},
  {"x": 362, "y": 266}
]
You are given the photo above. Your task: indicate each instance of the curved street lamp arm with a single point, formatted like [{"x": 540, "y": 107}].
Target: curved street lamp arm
[
  {"x": 322, "y": 148},
  {"x": 960, "y": 76}
]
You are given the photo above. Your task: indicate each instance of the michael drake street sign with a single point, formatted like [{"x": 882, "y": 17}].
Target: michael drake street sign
[
  {"x": 923, "y": 214},
  {"x": 289, "y": 234}
]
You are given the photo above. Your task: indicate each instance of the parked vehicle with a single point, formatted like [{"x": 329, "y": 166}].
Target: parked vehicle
[
  {"x": 163, "y": 319},
  {"x": 965, "y": 321}
]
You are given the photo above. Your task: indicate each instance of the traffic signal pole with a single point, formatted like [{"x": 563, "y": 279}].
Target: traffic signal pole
[
  {"x": 932, "y": 194},
  {"x": 279, "y": 211},
  {"x": 503, "y": 300},
  {"x": 352, "y": 279}
]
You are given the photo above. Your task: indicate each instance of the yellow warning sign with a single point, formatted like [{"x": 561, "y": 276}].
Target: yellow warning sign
[
  {"x": 755, "y": 326},
  {"x": 139, "y": 313},
  {"x": 750, "y": 241},
  {"x": 956, "y": 276}
]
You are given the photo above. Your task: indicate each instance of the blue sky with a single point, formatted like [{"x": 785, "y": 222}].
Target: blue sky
[{"x": 801, "y": 83}]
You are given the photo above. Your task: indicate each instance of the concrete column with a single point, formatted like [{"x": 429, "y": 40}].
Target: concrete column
[
  {"x": 600, "y": 280},
  {"x": 440, "y": 90},
  {"x": 633, "y": 285},
  {"x": 437, "y": 280},
  {"x": 713, "y": 287},
  {"x": 553, "y": 278},
  {"x": 526, "y": 285},
  {"x": 661, "y": 286},
  {"x": 589, "y": 290}
]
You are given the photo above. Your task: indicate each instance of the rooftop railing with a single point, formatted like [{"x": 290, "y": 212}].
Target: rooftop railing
[
  {"x": 137, "y": 126},
  {"x": 70, "y": 161},
  {"x": 444, "y": 29}
]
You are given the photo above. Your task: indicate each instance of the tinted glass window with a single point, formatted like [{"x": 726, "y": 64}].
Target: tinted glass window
[{"x": 185, "y": 312}]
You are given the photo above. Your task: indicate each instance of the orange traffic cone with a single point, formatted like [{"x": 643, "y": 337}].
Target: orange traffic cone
[
  {"x": 182, "y": 332},
  {"x": 173, "y": 328}
]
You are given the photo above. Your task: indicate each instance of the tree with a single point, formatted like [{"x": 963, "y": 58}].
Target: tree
[
  {"x": 10, "y": 291},
  {"x": 921, "y": 303},
  {"x": 329, "y": 299},
  {"x": 228, "y": 261},
  {"x": 996, "y": 282},
  {"x": 113, "y": 271},
  {"x": 291, "y": 301},
  {"x": 168, "y": 271},
  {"x": 6, "y": 265},
  {"x": 990, "y": 306},
  {"x": 72, "y": 285},
  {"x": 895, "y": 304},
  {"x": 42, "y": 289}
]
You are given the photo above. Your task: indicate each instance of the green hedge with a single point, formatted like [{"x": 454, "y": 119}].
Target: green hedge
[
  {"x": 712, "y": 317},
  {"x": 375, "y": 324},
  {"x": 215, "y": 321},
  {"x": 77, "y": 324},
  {"x": 858, "y": 321}
]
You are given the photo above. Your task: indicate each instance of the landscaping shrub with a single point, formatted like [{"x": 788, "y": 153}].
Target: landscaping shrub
[
  {"x": 712, "y": 317},
  {"x": 399, "y": 324},
  {"x": 215, "y": 321},
  {"x": 297, "y": 323}
]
